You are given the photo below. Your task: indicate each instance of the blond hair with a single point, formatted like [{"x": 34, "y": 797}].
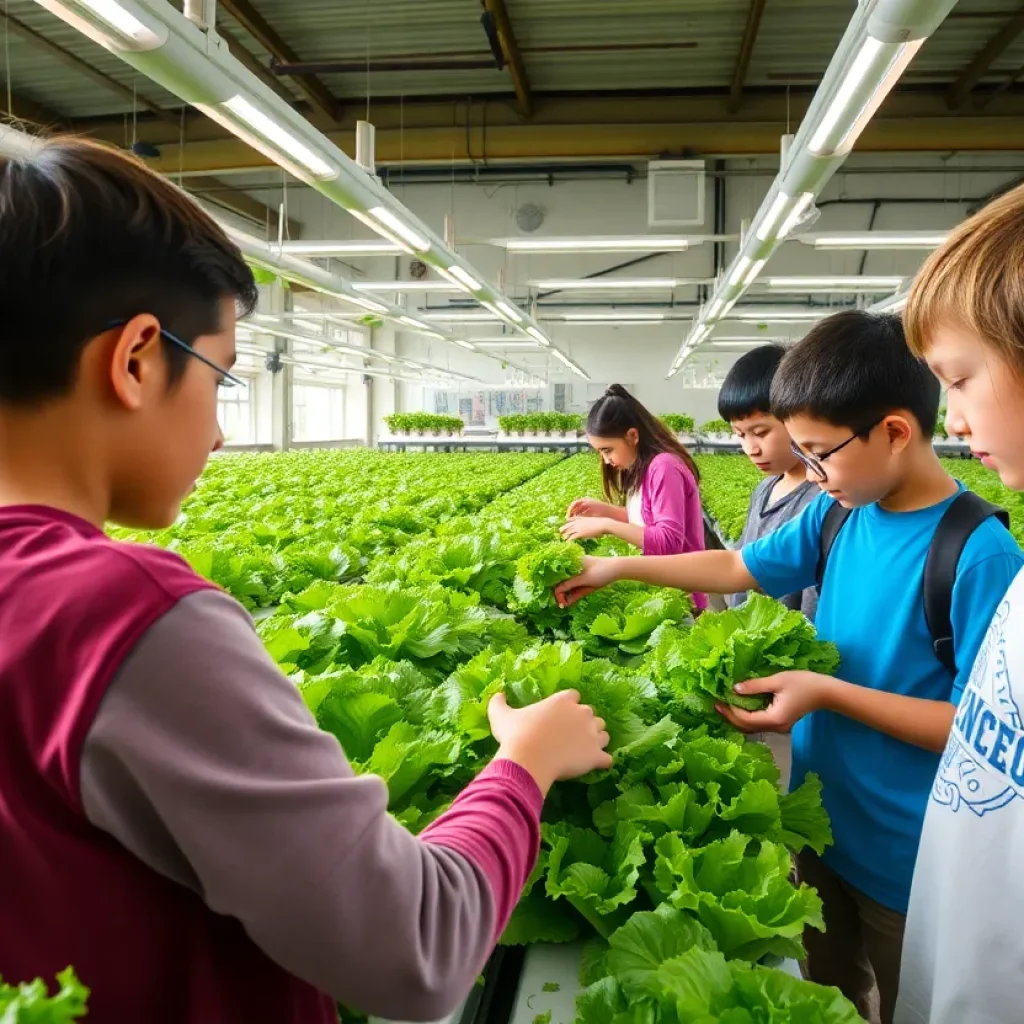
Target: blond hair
[{"x": 975, "y": 281}]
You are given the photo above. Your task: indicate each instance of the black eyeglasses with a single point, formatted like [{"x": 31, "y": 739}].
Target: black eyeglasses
[
  {"x": 814, "y": 462},
  {"x": 229, "y": 379}
]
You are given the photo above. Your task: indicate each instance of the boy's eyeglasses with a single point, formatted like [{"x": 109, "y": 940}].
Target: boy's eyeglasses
[
  {"x": 229, "y": 380},
  {"x": 814, "y": 462}
]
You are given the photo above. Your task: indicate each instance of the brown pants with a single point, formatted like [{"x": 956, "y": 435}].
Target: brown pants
[{"x": 860, "y": 951}]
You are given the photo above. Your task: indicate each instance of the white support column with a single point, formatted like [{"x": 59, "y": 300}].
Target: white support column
[{"x": 383, "y": 394}]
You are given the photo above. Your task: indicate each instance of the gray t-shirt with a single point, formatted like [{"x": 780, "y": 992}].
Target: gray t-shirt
[
  {"x": 963, "y": 955},
  {"x": 766, "y": 516}
]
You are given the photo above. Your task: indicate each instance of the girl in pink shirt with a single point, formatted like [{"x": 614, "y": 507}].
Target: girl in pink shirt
[{"x": 649, "y": 477}]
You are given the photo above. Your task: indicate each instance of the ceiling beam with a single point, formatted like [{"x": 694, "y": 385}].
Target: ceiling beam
[
  {"x": 623, "y": 129},
  {"x": 986, "y": 57},
  {"x": 257, "y": 26},
  {"x": 250, "y": 63},
  {"x": 739, "y": 75},
  {"x": 513, "y": 58}
]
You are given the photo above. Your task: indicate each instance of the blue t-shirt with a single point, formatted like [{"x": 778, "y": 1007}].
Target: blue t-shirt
[{"x": 875, "y": 787}]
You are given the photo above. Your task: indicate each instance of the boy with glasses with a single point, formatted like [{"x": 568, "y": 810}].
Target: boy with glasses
[
  {"x": 861, "y": 410},
  {"x": 172, "y": 821}
]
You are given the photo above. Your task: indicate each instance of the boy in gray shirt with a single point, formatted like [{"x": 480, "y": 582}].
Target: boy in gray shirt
[
  {"x": 744, "y": 403},
  {"x": 781, "y": 496}
]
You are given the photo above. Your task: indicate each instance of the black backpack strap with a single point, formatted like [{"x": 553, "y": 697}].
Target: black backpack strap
[
  {"x": 965, "y": 514},
  {"x": 833, "y": 522}
]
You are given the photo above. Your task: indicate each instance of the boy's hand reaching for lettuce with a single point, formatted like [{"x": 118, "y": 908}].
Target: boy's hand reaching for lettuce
[
  {"x": 793, "y": 695},
  {"x": 554, "y": 739},
  {"x": 597, "y": 573}
]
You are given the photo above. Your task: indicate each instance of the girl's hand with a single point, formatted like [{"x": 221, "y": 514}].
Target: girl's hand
[
  {"x": 557, "y": 738},
  {"x": 584, "y": 529},
  {"x": 794, "y": 694},
  {"x": 585, "y": 507}
]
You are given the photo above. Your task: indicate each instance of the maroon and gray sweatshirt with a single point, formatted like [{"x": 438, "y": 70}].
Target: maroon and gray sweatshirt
[{"x": 174, "y": 824}]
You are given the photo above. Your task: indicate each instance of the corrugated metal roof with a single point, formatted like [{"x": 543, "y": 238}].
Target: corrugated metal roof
[
  {"x": 568, "y": 46},
  {"x": 39, "y": 75}
]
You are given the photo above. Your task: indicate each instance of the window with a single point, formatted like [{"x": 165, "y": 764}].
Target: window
[
  {"x": 318, "y": 412},
  {"x": 236, "y": 411}
]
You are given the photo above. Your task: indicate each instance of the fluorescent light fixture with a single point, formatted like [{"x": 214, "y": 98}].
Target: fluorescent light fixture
[
  {"x": 607, "y": 283},
  {"x": 719, "y": 308},
  {"x": 910, "y": 240},
  {"x": 373, "y": 307},
  {"x": 893, "y": 304},
  {"x": 464, "y": 344},
  {"x": 779, "y": 315},
  {"x": 561, "y": 358},
  {"x": 538, "y": 336},
  {"x": 108, "y": 23},
  {"x": 406, "y": 286},
  {"x": 390, "y": 225},
  {"x": 461, "y": 316},
  {"x": 411, "y": 321},
  {"x": 744, "y": 270},
  {"x": 463, "y": 277},
  {"x": 356, "y": 247},
  {"x": 507, "y": 344},
  {"x": 613, "y": 317},
  {"x": 783, "y": 215},
  {"x": 271, "y": 139},
  {"x": 840, "y": 282},
  {"x": 647, "y": 243},
  {"x": 849, "y": 111},
  {"x": 509, "y": 310}
]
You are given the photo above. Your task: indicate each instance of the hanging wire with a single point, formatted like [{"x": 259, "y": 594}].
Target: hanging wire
[{"x": 7, "y": 59}]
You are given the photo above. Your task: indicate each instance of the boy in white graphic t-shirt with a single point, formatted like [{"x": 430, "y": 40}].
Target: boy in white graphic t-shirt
[{"x": 963, "y": 956}]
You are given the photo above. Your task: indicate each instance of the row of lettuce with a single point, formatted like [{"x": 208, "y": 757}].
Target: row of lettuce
[{"x": 401, "y": 592}]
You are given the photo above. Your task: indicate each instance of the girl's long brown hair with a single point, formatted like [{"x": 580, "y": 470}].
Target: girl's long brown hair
[{"x": 613, "y": 415}]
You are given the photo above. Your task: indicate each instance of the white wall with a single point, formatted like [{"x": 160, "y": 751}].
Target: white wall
[{"x": 640, "y": 356}]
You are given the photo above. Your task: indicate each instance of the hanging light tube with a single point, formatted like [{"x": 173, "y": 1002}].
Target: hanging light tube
[
  {"x": 607, "y": 283},
  {"x": 363, "y": 247},
  {"x": 538, "y": 336},
  {"x": 836, "y": 283},
  {"x": 878, "y": 62},
  {"x": 108, "y": 23},
  {"x": 909, "y": 240},
  {"x": 647, "y": 243}
]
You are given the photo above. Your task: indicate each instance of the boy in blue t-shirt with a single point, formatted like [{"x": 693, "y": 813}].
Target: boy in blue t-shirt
[{"x": 861, "y": 410}]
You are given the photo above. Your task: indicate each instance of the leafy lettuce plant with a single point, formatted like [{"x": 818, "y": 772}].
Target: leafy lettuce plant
[
  {"x": 760, "y": 638},
  {"x": 745, "y": 900},
  {"x": 31, "y": 1002},
  {"x": 537, "y": 572},
  {"x": 663, "y": 966},
  {"x": 619, "y": 621}
]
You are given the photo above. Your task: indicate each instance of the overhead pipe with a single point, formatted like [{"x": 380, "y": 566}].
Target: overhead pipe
[
  {"x": 876, "y": 48},
  {"x": 197, "y": 66}
]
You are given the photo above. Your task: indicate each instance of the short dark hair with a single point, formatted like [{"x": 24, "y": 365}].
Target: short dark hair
[
  {"x": 747, "y": 387},
  {"x": 852, "y": 370},
  {"x": 88, "y": 236}
]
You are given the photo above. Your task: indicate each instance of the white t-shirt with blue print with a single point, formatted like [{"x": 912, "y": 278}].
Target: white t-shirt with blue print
[
  {"x": 963, "y": 955},
  {"x": 875, "y": 787}
]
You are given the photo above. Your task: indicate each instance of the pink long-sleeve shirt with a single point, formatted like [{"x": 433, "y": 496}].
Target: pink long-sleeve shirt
[
  {"x": 672, "y": 511},
  {"x": 182, "y": 832}
]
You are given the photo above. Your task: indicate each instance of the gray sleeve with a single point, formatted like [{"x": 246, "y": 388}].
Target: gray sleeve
[
  {"x": 204, "y": 762},
  {"x": 749, "y": 534}
]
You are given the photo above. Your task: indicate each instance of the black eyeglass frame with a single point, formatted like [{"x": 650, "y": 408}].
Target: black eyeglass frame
[
  {"x": 230, "y": 380},
  {"x": 814, "y": 462}
]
